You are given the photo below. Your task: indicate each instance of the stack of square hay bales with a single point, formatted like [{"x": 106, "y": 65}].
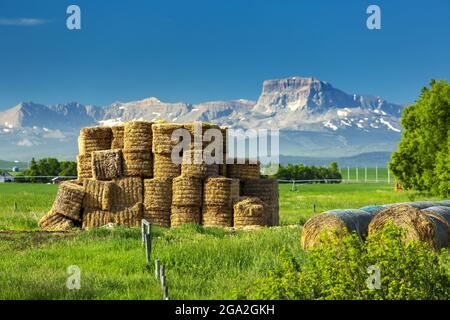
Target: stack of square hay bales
[{"x": 127, "y": 172}]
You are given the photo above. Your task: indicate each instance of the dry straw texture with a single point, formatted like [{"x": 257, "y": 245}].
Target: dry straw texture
[
  {"x": 156, "y": 217},
  {"x": 84, "y": 166},
  {"x": 126, "y": 192},
  {"x": 138, "y": 136},
  {"x": 183, "y": 215},
  {"x": 163, "y": 166},
  {"x": 267, "y": 191},
  {"x": 197, "y": 131},
  {"x": 158, "y": 194},
  {"x": 217, "y": 216},
  {"x": 162, "y": 137},
  {"x": 94, "y": 218},
  {"x": 53, "y": 221},
  {"x": 221, "y": 191},
  {"x": 187, "y": 191},
  {"x": 418, "y": 225},
  {"x": 334, "y": 224},
  {"x": 129, "y": 217},
  {"x": 107, "y": 164},
  {"x": 117, "y": 137},
  {"x": 98, "y": 194},
  {"x": 247, "y": 170},
  {"x": 137, "y": 163},
  {"x": 94, "y": 139},
  {"x": 249, "y": 211},
  {"x": 69, "y": 200},
  {"x": 194, "y": 166}
]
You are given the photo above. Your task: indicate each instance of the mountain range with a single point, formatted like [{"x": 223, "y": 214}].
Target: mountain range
[{"x": 315, "y": 120}]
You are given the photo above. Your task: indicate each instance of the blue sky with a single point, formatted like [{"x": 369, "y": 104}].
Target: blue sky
[{"x": 201, "y": 50}]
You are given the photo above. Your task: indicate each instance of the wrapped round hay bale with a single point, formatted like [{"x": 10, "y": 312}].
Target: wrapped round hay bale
[
  {"x": 84, "y": 166},
  {"x": 53, "y": 221},
  {"x": 373, "y": 209},
  {"x": 418, "y": 204},
  {"x": 442, "y": 211},
  {"x": 162, "y": 137},
  {"x": 157, "y": 217},
  {"x": 137, "y": 163},
  {"x": 249, "y": 211},
  {"x": 334, "y": 223},
  {"x": 107, "y": 164},
  {"x": 138, "y": 136},
  {"x": 217, "y": 216},
  {"x": 158, "y": 194},
  {"x": 129, "y": 217},
  {"x": 163, "y": 166},
  {"x": 221, "y": 191},
  {"x": 243, "y": 169},
  {"x": 181, "y": 215},
  {"x": 117, "y": 136},
  {"x": 94, "y": 218},
  {"x": 98, "y": 194},
  {"x": 267, "y": 191},
  {"x": 445, "y": 203},
  {"x": 194, "y": 166},
  {"x": 94, "y": 139},
  {"x": 418, "y": 225},
  {"x": 69, "y": 199},
  {"x": 187, "y": 191},
  {"x": 127, "y": 191}
]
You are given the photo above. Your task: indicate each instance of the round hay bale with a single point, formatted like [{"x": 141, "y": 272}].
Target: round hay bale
[
  {"x": 162, "y": 137},
  {"x": 418, "y": 226},
  {"x": 442, "y": 211},
  {"x": 373, "y": 209},
  {"x": 69, "y": 199},
  {"x": 138, "y": 136},
  {"x": 267, "y": 191},
  {"x": 217, "y": 216},
  {"x": 245, "y": 170},
  {"x": 199, "y": 143},
  {"x": 221, "y": 191},
  {"x": 53, "y": 221},
  {"x": 194, "y": 166},
  {"x": 249, "y": 211},
  {"x": 334, "y": 224},
  {"x": 163, "y": 167},
  {"x": 137, "y": 163},
  {"x": 94, "y": 139},
  {"x": 117, "y": 136},
  {"x": 183, "y": 215},
  {"x": 445, "y": 203},
  {"x": 187, "y": 191},
  {"x": 158, "y": 194},
  {"x": 418, "y": 204},
  {"x": 156, "y": 217},
  {"x": 84, "y": 166}
]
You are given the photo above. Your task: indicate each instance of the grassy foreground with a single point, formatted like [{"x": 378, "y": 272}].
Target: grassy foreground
[{"x": 202, "y": 263}]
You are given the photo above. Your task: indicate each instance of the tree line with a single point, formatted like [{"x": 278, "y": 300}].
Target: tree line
[
  {"x": 302, "y": 172},
  {"x": 50, "y": 167}
]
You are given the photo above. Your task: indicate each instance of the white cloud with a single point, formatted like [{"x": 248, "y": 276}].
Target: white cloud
[
  {"x": 25, "y": 143},
  {"x": 22, "y": 22}
]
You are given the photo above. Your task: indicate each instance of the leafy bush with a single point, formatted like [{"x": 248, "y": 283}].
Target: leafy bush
[
  {"x": 339, "y": 270},
  {"x": 302, "y": 172}
]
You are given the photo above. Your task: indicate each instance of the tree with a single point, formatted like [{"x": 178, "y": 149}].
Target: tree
[
  {"x": 51, "y": 167},
  {"x": 421, "y": 161}
]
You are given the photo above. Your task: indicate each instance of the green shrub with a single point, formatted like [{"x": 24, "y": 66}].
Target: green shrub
[{"x": 339, "y": 270}]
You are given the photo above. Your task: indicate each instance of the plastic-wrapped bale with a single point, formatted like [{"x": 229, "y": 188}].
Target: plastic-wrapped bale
[
  {"x": 267, "y": 191},
  {"x": 129, "y": 217},
  {"x": 107, "y": 164},
  {"x": 127, "y": 191},
  {"x": 197, "y": 131},
  {"x": 217, "y": 216},
  {"x": 418, "y": 225},
  {"x": 243, "y": 169},
  {"x": 249, "y": 211},
  {"x": 53, "y": 221},
  {"x": 138, "y": 136},
  {"x": 445, "y": 203},
  {"x": 157, "y": 201},
  {"x": 117, "y": 136},
  {"x": 94, "y": 218},
  {"x": 98, "y": 194},
  {"x": 94, "y": 139},
  {"x": 442, "y": 211},
  {"x": 187, "y": 191},
  {"x": 137, "y": 164},
  {"x": 164, "y": 167},
  {"x": 221, "y": 191},
  {"x": 182, "y": 215},
  {"x": 373, "y": 209},
  {"x": 69, "y": 199},
  {"x": 334, "y": 224},
  {"x": 84, "y": 166},
  {"x": 418, "y": 204},
  {"x": 193, "y": 165},
  {"x": 162, "y": 137}
]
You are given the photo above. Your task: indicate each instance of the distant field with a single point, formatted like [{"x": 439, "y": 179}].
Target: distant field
[{"x": 202, "y": 263}]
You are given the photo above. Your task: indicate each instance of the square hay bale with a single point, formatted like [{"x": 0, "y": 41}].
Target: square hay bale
[
  {"x": 244, "y": 170},
  {"x": 249, "y": 211},
  {"x": 94, "y": 218},
  {"x": 117, "y": 136},
  {"x": 158, "y": 194},
  {"x": 98, "y": 194},
  {"x": 183, "y": 215},
  {"x": 84, "y": 166},
  {"x": 53, "y": 221},
  {"x": 138, "y": 136},
  {"x": 156, "y": 217},
  {"x": 162, "y": 137},
  {"x": 137, "y": 164},
  {"x": 129, "y": 217},
  {"x": 217, "y": 216},
  {"x": 107, "y": 164},
  {"x": 69, "y": 199},
  {"x": 187, "y": 191},
  {"x": 221, "y": 191},
  {"x": 94, "y": 139},
  {"x": 163, "y": 166},
  {"x": 126, "y": 192},
  {"x": 194, "y": 166}
]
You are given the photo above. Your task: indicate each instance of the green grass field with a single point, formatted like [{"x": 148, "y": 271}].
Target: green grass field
[{"x": 202, "y": 263}]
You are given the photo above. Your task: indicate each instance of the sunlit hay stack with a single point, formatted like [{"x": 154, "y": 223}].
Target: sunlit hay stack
[
  {"x": 69, "y": 199},
  {"x": 187, "y": 192},
  {"x": 84, "y": 166},
  {"x": 138, "y": 136},
  {"x": 267, "y": 191},
  {"x": 53, "y": 221},
  {"x": 162, "y": 137},
  {"x": 94, "y": 139},
  {"x": 94, "y": 218},
  {"x": 197, "y": 131},
  {"x": 194, "y": 165},
  {"x": 98, "y": 194},
  {"x": 126, "y": 192},
  {"x": 223, "y": 165},
  {"x": 137, "y": 163},
  {"x": 184, "y": 215},
  {"x": 107, "y": 164},
  {"x": 418, "y": 225},
  {"x": 157, "y": 201},
  {"x": 249, "y": 211},
  {"x": 243, "y": 169},
  {"x": 164, "y": 167},
  {"x": 129, "y": 217},
  {"x": 219, "y": 196},
  {"x": 117, "y": 136}
]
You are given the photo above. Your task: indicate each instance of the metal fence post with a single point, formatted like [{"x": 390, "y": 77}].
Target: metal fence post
[{"x": 146, "y": 229}]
